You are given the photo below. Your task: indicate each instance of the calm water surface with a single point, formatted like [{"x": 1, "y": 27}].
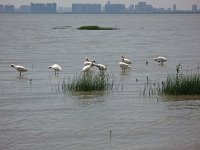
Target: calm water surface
[{"x": 38, "y": 115}]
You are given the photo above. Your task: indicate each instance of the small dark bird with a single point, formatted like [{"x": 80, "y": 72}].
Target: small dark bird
[{"x": 30, "y": 81}]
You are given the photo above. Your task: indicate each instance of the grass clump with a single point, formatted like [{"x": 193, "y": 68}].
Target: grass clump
[
  {"x": 182, "y": 84},
  {"x": 98, "y": 82},
  {"x": 94, "y": 27}
]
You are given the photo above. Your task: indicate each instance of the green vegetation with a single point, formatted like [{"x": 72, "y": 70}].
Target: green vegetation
[
  {"x": 98, "y": 82},
  {"x": 176, "y": 86},
  {"x": 94, "y": 27},
  {"x": 182, "y": 84}
]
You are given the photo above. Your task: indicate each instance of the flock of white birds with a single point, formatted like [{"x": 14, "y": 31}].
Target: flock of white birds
[{"x": 123, "y": 64}]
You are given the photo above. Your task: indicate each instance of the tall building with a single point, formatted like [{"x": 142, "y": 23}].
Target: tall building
[
  {"x": 24, "y": 9},
  {"x": 43, "y": 8},
  {"x": 142, "y": 7},
  {"x": 51, "y": 7},
  {"x": 86, "y": 8},
  {"x": 194, "y": 8},
  {"x": 174, "y": 8},
  {"x": 114, "y": 8},
  {"x": 37, "y": 8},
  {"x": 1, "y": 8},
  {"x": 9, "y": 8},
  {"x": 131, "y": 8}
]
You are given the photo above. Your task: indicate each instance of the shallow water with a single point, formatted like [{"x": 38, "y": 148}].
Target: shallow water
[{"x": 38, "y": 115}]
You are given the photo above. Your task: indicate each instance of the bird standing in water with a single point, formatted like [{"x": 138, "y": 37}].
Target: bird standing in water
[
  {"x": 55, "y": 67},
  {"x": 20, "y": 69},
  {"x": 160, "y": 59}
]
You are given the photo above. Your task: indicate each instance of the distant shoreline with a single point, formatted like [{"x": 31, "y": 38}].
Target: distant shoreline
[{"x": 107, "y": 13}]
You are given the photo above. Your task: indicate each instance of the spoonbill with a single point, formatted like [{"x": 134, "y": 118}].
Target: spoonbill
[
  {"x": 19, "y": 68},
  {"x": 101, "y": 67},
  {"x": 55, "y": 67},
  {"x": 87, "y": 61},
  {"x": 126, "y": 60},
  {"x": 87, "y": 67},
  {"x": 124, "y": 66},
  {"x": 160, "y": 59}
]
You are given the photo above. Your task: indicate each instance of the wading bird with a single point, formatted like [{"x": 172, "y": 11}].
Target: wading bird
[
  {"x": 87, "y": 61},
  {"x": 160, "y": 59},
  {"x": 101, "y": 67},
  {"x": 124, "y": 66},
  {"x": 87, "y": 67},
  {"x": 126, "y": 60},
  {"x": 20, "y": 69},
  {"x": 55, "y": 67}
]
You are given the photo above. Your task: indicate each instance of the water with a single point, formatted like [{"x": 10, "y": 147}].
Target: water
[{"x": 38, "y": 115}]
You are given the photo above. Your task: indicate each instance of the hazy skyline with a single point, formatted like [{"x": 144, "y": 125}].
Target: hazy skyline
[{"x": 180, "y": 4}]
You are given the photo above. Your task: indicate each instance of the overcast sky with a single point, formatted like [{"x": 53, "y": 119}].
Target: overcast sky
[{"x": 180, "y": 4}]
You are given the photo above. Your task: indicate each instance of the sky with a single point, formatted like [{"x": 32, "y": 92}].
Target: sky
[{"x": 180, "y": 4}]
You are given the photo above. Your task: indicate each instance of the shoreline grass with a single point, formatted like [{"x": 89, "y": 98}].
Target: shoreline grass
[{"x": 94, "y": 27}]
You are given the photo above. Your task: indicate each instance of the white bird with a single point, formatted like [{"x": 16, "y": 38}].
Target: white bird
[
  {"x": 124, "y": 66},
  {"x": 160, "y": 59},
  {"x": 101, "y": 67},
  {"x": 87, "y": 67},
  {"x": 87, "y": 62},
  {"x": 20, "y": 69},
  {"x": 126, "y": 60},
  {"x": 55, "y": 67}
]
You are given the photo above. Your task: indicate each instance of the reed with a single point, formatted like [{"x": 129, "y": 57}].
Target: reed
[
  {"x": 182, "y": 84},
  {"x": 82, "y": 82},
  {"x": 94, "y": 27}
]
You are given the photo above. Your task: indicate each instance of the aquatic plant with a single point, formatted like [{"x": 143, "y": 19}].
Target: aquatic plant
[
  {"x": 182, "y": 84},
  {"x": 175, "y": 84},
  {"x": 83, "y": 82},
  {"x": 94, "y": 27}
]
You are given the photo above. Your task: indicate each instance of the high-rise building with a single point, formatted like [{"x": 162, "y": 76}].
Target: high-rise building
[
  {"x": 51, "y": 7},
  {"x": 114, "y": 8},
  {"x": 24, "y": 9},
  {"x": 194, "y": 8},
  {"x": 37, "y": 8},
  {"x": 142, "y": 7},
  {"x": 9, "y": 8},
  {"x": 1, "y": 8},
  {"x": 43, "y": 8},
  {"x": 131, "y": 8},
  {"x": 174, "y": 8},
  {"x": 86, "y": 8}
]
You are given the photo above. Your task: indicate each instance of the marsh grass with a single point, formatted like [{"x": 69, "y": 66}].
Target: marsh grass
[
  {"x": 179, "y": 84},
  {"x": 151, "y": 88},
  {"x": 176, "y": 86},
  {"x": 94, "y": 27},
  {"x": 182, "y": 84},
  {"x": 87, "y": 83}
]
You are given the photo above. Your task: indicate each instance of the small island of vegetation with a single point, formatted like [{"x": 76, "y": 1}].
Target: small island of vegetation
[
  {"x": 94, "y": 27},
  {"x": 97, "y": 82},
  {"x": 182, "y": 84}
]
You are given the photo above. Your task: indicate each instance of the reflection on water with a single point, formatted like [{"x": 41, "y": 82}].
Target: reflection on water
[
  {"x": 89, "y": 95},
  {"x": 87, "y": 98},
  {"x": 184, "y": 105},
  {"x": 181, "y": 98}
]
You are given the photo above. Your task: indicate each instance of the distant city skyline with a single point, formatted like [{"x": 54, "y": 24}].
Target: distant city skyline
[{"x": 180, "y": 4}]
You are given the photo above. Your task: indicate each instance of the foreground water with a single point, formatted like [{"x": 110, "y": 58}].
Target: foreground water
[{"x": 38, "y": 115}]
